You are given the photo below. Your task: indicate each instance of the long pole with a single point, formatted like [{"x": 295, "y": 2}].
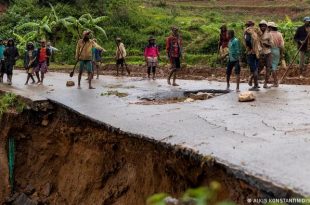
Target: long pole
[{"x": 291, "y": 64}]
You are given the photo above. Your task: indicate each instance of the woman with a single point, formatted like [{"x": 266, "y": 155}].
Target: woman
[
  {"x": 277, "y": 48},
  {"x": 30, "y": 60},
  {"x": 151, "y": 55}
]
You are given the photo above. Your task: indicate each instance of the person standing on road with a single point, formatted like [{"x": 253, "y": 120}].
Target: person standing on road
[
  {"x": 303, "y": 43},
  {"x": 277, "y": 50},
  {"x": 120, "y": 56},
  {"x": 43, "y": 55},
  {"x": 265, "y": 58},
  {"x": 151, "y": 55},
  {"x": 174, "y": 52},
  {"x": 233, "y": 60},
  {"x": 253, "y": 48},
  {"x": 2, "y": 65},
  {"x": 96, "y": 59},
  {"x": 10, "y": 57},
  {"x": 223, "y": 43},
  {"x": 83, "y": 54},
  {"x": 30, "y": 61}
]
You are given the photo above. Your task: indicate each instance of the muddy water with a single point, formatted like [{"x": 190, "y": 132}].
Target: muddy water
[{"x": 85, "y": 162}]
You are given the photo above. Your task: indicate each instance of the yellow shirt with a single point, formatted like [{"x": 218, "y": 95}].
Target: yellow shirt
[{"x": 86, "y": 53}]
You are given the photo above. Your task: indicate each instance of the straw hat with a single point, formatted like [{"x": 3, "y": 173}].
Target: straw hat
[
  {"x": 263, "y": 22},
  {"x": 272, "y": 24}
]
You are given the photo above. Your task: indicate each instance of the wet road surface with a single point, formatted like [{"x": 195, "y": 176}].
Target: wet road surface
[{"x": 268, "y": 138}]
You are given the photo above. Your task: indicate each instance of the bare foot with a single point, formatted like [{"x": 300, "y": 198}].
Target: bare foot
[
  {"x": 174, "y": 84},
  {"x": 26, "y": 83},
  {"x": 237, "y": 90},
  {"x": 168, "y": 81},
  {"x": 79, "y": 87},
  {"x": 91, "y": 87}
]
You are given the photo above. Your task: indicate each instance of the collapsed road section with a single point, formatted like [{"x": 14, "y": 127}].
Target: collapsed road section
[{"x": 63, "y": 157}]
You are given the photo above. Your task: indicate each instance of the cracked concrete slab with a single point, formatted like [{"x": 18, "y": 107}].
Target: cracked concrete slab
[{"x": 268, "y": 138}]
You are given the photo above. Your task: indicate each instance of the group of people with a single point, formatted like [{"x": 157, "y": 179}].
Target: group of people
[
  {"x": 36, "y": 61},
  {"x": 264, "y": 49},
  {"x": 88, "y": 54}
]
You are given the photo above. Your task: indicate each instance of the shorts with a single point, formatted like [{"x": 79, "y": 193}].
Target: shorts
[
  {"x": 152, "y": 61},
  {"x": 252, "y": 62},
  {"x": 276, "y": 55},
  {"x": 41, "y": 67},
  {"x": 8, "y": 68},
  {"x": 231, "y": 65},
  {"x": 30, "y": 70},
  {"x": 175, "y": 62},
  {"x": 86, "y": 65},
  {"x": 265, "y": 61},
  {"x": 120, "y": 61}
]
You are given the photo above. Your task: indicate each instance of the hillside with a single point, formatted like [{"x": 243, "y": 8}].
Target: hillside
[{"x": 134, "y": 21}]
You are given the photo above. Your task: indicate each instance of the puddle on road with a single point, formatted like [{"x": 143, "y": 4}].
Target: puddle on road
[{"x": 161, "y": 98}]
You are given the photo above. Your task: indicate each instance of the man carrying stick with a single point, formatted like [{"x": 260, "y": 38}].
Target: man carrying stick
[
  {"x": 83, "y": 54},
  {"x": 303, "y": 43}
]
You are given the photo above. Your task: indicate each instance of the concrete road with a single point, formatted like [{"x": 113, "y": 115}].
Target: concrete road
[{"x": 268, "y": 138}]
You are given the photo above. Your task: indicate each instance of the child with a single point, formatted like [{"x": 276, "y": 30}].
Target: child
[
  {"x": 151, "y": 55},
  {"x": 43, "y": 55},
  {"x": 30, "y": 61}
]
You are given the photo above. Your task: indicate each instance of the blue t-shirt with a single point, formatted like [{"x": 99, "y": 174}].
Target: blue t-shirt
[
  {"x": 2, "y": 48},
  {"x": 234, "y": 49}
]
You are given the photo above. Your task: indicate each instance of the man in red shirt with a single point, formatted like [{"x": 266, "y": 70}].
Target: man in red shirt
[
  {"x": 42, "y": 58},
  {"x": 174, "y": 52}
]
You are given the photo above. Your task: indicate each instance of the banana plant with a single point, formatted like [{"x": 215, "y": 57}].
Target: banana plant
[
  {"x": 92, "y": 24},
  {"x": 42, "y": 27}
]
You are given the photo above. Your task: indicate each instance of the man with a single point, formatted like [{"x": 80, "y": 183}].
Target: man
[
  {"x": 52, "y": 49},
  {"x": 303, "y": 42},
  {"x": 265, "y": 58},
  {"x": 151, "y": 55},
  {"x": 174, "y": 52},
  {"x": 43, "y": 55},
  {"x": 10, "y": 57},
  {"x": 2, "y": 65},
  {"x": 223, "y": 43},
  {"x": 253, "y": 51},
  {"x": 233, "y": 61},
  {"x": 120, "y": 56},
  {"x": 84, "y": 55}
]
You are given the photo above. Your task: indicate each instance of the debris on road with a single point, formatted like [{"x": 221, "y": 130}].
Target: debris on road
[{"x": 246, "y": 96}]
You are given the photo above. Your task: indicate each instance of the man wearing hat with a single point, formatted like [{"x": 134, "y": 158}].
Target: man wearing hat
[
  {"x": 265, "y": 58},
  {"x": 83, "y": 54},
  {"x": 302, "y": 39},
  {"x": 174, "y": 52},
  {"x": 277, "y": 50},
  {"x": 253, "y": 49},
  {"x": 2, "y": 68},
  {"x": 151, "y": 55},
  {"x": 43, "y": 55},
  {"x": 120, "y": 56}
]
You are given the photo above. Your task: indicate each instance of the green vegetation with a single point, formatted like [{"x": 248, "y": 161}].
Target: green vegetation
[
  {"x": 114, "y": 92},
  {"x": 62, "y": 22},
  {"x": 200, "y": 196},
  {"x": 9, "y": 101}
]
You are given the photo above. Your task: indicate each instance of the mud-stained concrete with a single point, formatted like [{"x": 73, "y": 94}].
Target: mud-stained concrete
[{"x": 262, "y": 142}]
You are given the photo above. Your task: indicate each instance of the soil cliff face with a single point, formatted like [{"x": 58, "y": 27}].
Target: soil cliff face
[{"x": 64, "y": 158}]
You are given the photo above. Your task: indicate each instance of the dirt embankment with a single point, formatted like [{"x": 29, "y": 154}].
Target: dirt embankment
[
  {"x": 214, "y": 74},
  {"x": 64, "y": 158}
]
